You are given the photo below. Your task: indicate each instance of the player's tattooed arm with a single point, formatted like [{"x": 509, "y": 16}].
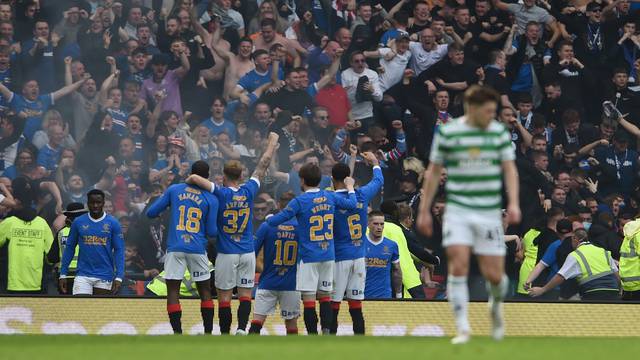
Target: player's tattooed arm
[
  {"x": 276, "y": 174},
  {"x": 265, "y": 160},
  {"x": 352, "y": 159},
  {"x": 396, "y": 279}
]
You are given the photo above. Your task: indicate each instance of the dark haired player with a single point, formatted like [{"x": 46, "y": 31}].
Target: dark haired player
[
  {"x": 350, "y": 270},
  {"x": 278, "y": 278},
  {"x": 193, "y": 218},
  {"x": 315, "y": 210},
  {"x": 101, "y": 249},
  {"x": 236, "y": 259}
]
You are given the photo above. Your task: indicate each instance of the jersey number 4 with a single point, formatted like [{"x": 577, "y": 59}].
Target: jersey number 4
[
  {"x": 189, "y": 219},
  {"x": 317, "y": 227}
]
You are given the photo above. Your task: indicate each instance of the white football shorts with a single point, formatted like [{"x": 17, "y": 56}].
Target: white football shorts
[
  {"x": 83, "y": 285},
  {"x": 175, "y": 264},
  {"x": 349, "y": 277},
  {"x": 313, "y": 277},
  {"x": 266, "y": 301},
  {"x": 480, "y": 230},
  {"x": 235, "y": 270}
]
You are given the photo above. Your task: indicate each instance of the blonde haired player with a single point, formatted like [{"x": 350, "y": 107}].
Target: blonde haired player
[
  {"x": 236, "y": 259},
  {"x": 477, "y": 153}
]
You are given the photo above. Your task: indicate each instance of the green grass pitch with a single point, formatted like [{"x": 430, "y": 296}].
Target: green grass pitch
[{"x": 69, "y": 347}]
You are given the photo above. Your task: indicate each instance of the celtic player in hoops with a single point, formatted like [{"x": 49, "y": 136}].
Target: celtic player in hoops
[{"x": 477, "y": 153}]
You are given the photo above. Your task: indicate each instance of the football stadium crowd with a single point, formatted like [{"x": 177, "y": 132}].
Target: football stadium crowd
[{"x": 124, "y": 95}]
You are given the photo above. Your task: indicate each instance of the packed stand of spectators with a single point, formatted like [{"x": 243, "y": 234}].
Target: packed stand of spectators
[{"x": 123, "y": 96}]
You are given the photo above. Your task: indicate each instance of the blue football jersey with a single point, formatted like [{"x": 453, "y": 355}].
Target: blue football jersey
[
  {"x": 280, "y": 245},
  {"x": 33, "y": 109},
  {"x": 351, "y": 225},
  {"x": 120, "y": 119},
  {"x": 314, "y": 211},
  {"x": 235, "y": 217},
  {"x": 379, "y": 258},
  {"x": 193, "y": 217},
  {"x": 101, "y": 248}
]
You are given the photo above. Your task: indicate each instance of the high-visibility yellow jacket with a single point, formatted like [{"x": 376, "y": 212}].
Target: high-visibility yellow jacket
[
  {"x": 410, "y": 275},
  {"x": 28, "y": 243},
  {"x": 188, "y": 287},
  {"x": 63, "y": 234},
  {"x": 630, "y": 257},
  {"x": 529, "y": 262},
  {"x": 595, "y": 266}
]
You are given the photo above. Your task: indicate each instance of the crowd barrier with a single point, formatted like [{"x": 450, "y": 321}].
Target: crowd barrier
[{"x": 139, "y": 316}]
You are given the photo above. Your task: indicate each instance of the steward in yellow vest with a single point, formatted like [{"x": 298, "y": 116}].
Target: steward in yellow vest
[
  {"x": 410, "y": 275},
  {"x": 630, "y": 261},
  {"x": 188, "y": 288},
  {"x": 592, "y": 266},
  {"x": 71, "y": 213},
  {"x": 28, "y": 239},
  {"x": 529, "y": 262}
]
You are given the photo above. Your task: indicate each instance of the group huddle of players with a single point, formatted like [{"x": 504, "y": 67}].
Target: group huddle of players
[{"x": 313, "y": 248}]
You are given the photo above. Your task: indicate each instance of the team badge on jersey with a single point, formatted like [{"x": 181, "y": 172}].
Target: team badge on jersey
[
  {"x": 106, "y": 228},
  {"x": 186, "y": 238},
  {"x": 474, "y": 152},
  {"x": 320, "y": 200}
]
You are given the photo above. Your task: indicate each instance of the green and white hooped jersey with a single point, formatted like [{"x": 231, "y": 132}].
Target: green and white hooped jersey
[{"x": 473, "y": 159}]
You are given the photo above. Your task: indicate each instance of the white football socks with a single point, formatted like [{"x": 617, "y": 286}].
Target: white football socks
[
  {"x": 458, "y": 295},
  {"x": 497, "y": 294}
]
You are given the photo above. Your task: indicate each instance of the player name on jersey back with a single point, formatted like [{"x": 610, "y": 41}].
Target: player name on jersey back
[
  {"x": 235, "y": 217},
  {"x": 193, "y": 215},
  {"x": 191, "y": 194},
  {"x": 280, "y": 255},
  {"x": 314, "y": 211}
]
